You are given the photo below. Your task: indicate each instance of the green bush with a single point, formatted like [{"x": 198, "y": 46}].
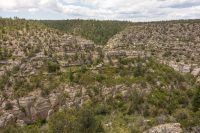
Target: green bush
[
  {"x": 158, "y": 98},
  {"x": 88, "y": 123},
  {"x": 53, "y": 66},
  {"x": 70, "y": 75},
  {"x": 183, "y": 116},
  {"x": 63, "y": 122},
  {"x": 135, "y": 102},
  {"x": 139, "y": 70},
  {"x": 26, "y": 129},
  {"x": 102, "y": 109},
  {"x": 75, "y": 121},
  {"x": 196, "y": 100},
  {"x": 163, "y": 99},
  {"x": 8, "y": 106},
  {"x": 100, "y": 78}
]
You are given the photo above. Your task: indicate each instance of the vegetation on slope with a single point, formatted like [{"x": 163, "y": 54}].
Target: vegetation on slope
[
  {"x": 29, "y": 48},
  {"x": 130, "y": 96},
  {"x": 98, "y": 31},
  {"x": 176, "y": 41},
  {"x": 163, "y": 95}
]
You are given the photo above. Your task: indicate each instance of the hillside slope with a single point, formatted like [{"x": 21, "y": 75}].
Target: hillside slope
[
  {"x": 28, "y": 48},
  {"x": 174, "y": 43},
  {"x": 54, "y": 82}
]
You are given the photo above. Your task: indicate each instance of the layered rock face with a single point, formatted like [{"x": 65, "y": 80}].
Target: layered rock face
[
  {"x": 173, "y": 43},
  {"x": 27, "y": 110},
  {"x": 33, "y": 107},
  {"x": 29, "y": 50}
]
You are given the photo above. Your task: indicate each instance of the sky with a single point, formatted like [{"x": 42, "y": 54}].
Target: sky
[{"x": 131, "y": 10}]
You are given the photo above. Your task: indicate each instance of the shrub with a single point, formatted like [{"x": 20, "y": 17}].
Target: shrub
[
  {"x": 196, "y": 100},
  {"x": 75, "y": 121},
  {"x": 62, "y": 122},
  {"x": 8, "y": 106},
  {"x": 26, "y": 129},
  {"x": 3, "y": 81},
  {"x": 167, "y": 54},
  {"x": 157, "y": 98},
  {"x": 53, "y": 66},
  {"x": 167, "y": 101},
  {"x": 181, "y": 114},
  {"x": 100, "y": 77},
  {"x": 88, "y": 123},
  {"x": 102, "y": 109},
  {"x": 70, "y": 76},
  {"x": 136, "y": 101},
  {"x": 10, "y": 129}
]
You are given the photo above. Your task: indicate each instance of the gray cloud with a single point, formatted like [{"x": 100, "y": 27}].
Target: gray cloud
[{"x": 135, "y": 10}]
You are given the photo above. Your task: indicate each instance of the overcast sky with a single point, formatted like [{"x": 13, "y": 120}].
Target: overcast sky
[{"x": 134, "y": 10}]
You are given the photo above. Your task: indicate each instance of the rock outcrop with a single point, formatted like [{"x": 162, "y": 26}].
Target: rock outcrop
[
  {"x": 29, "y": 109},
  {"x": 166, "y": 128}
]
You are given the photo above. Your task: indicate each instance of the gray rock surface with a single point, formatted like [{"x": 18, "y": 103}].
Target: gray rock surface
[{"x": 166, "y": 128}]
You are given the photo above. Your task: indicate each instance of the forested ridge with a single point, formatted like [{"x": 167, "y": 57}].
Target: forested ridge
[{"x": 95, "y": 30}]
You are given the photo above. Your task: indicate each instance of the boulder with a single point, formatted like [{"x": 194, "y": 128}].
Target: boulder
[
  {"x": 54, "y": 100},
  {"x": 20, "y": 123},
  {"x": 26, "y": 103},
  {"x": 50, "y": 112},
  {"x": 196, "y": 72},
  {"x": 42, "y": 107},
  {"x": 6, "y": 119},
  {"x": 166, "y": 128},
  {"x": 10, "y": 119},
  {"x": 2, "y": 120}
]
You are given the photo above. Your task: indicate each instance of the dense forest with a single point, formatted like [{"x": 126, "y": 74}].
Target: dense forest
[{"x": 98, "y": 31}]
